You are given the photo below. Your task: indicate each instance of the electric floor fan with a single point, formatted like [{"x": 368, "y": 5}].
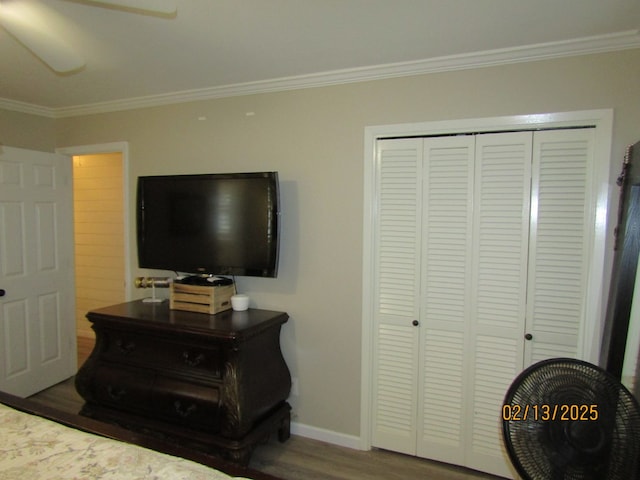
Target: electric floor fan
[{"x": 566, "y": 419}]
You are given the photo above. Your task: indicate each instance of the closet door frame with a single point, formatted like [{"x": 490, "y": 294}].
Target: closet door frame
[{"x": 600, "y": 257}]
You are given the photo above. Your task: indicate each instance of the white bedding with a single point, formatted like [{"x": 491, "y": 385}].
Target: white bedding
[{"x": 35, "y": 448}]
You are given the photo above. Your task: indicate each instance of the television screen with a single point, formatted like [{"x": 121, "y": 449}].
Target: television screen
[{"x": 219, "y": 224}]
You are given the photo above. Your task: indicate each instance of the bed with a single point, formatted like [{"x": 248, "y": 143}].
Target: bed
[{"x": 39, "y": 442}]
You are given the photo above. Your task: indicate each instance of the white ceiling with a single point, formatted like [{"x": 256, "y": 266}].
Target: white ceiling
[{"x": 224, "y": 47}]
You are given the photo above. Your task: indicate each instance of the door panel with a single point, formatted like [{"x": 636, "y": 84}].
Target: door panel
[
  {"x": 395, "y": 389},
  {"x": 498, "y": 289},
  {"x": 15, "y": 335},
  {"x": 446, "y": 273},
  {"x": 396, "y": 345},
  {"x": 36, "y": 271},
  {"x": 51, "y": 327},
  {"x": 562, "y": 225}
]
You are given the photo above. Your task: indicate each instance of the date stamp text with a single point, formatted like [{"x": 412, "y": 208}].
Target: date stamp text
[{"x": 547, "y": 413}]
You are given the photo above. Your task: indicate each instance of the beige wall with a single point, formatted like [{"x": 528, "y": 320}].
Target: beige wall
[
  {"x": 315, "y": 138},
  {"x": 24, "y": 130},
  {"x": 99, "y": 234}
]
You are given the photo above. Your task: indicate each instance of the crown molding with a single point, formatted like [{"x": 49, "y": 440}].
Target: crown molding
[
  {"x": 582, "y": 46},
  {"x": 23, "y": 107}
]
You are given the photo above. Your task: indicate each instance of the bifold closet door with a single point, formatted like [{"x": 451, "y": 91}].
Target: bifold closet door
[
  {"x": 445, "y": 306},
  {"x": 475, "y": 236},
  {"x": 498, "y": 291},
  {"x": 563, "y": 222},
  {"x": 482, "y": 248},
  {"x": 451, "y": 257},
  {"x": 396, "y": 308}
]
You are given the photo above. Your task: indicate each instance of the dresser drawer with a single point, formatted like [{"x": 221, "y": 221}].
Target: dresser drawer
[
  {"x": 202, "y": 360},
  {"x": 197, "y": 406},
  {"x": 126, "y": 389}
]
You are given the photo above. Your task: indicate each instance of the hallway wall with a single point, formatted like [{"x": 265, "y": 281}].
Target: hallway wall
[{"x": 99, "y": 234}]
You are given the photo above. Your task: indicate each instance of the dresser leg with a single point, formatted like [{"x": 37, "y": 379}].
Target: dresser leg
[
  {"x": 284, "y": 430},
  {"x": 241, "y": 456}
]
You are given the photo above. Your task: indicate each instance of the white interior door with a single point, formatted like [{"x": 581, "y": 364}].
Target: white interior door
[{"x": 37, "y": 328}]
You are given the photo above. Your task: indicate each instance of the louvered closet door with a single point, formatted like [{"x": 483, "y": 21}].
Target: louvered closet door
[
  {"x": 482, "y": 239},
  {"x": 445, "y": 306},
  {"x": 397, "y": 253},
  {"x": 498, "y": 290},
  {"x": 563, "y": 222}
]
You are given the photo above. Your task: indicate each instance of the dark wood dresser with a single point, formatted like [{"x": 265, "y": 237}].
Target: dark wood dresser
[{"x": 216, "y": 383}]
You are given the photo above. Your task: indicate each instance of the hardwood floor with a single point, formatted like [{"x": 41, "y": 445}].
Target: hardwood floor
[
  {"x": 305, "y": 459},
  {"x": 300, "y": 458}
]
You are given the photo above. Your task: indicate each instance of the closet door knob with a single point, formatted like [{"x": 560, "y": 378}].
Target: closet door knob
[
  {"x": 528, "y": 336},
  {"x": 2, "y": 292},
  {"x": 415, "y": 323}
]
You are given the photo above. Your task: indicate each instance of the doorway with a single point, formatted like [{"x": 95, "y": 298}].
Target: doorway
[{"x": 100, "y": 233}]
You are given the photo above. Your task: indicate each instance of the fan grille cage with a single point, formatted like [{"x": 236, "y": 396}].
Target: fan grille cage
[{"x": 599, "y": 442}]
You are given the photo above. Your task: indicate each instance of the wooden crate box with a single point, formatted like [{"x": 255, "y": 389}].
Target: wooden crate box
[{"x": 201, "y": 299}]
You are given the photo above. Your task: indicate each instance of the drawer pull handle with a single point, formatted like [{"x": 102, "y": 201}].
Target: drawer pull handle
[
  {"x": 125, "y": 347},
  {"x": 183, "y": 411},
  {"x": 191, "y": 359},
  {"x": 116, "y": 393}
]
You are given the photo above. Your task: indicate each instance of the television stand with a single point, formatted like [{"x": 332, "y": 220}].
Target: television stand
[{"x": 215, "y": 383}]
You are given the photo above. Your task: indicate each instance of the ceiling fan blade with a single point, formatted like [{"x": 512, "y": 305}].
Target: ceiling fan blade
[
  {"x": 164, "y": 7},
  {"x": 37, "y": 37}
]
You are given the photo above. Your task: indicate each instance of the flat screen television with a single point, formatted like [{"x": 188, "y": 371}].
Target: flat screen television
[{"x": 209, "y": 224}]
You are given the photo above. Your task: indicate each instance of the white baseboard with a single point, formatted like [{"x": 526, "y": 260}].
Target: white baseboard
[{"x": 328, "y": 436}]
